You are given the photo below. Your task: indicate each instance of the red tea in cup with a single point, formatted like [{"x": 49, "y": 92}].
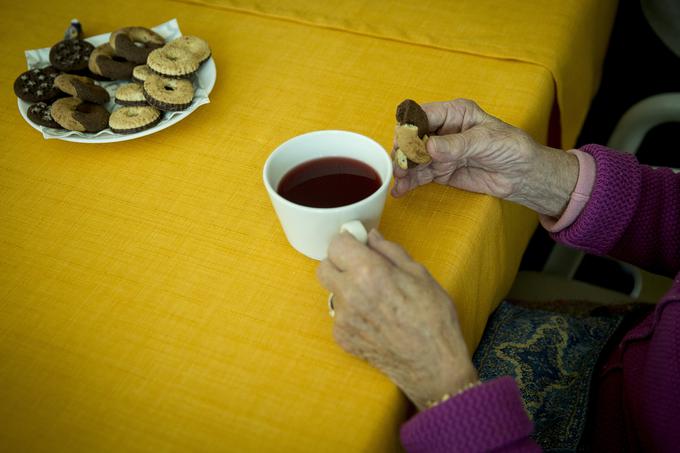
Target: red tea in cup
[{"x": 329, "y": 182}]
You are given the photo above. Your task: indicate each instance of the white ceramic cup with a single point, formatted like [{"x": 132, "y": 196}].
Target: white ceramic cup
[{"x": 310, "y": 230}]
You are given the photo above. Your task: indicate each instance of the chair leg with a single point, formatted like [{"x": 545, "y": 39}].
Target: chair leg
[{"x": 563, "y": 261}]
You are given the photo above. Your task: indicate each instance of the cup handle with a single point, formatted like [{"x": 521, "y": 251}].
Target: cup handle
[{"x": 356, "y": 229}]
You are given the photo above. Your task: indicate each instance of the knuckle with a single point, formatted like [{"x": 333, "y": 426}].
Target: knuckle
[
  {"x": 364, "y": 273},
  {"x": 468, "y": 102},
  {"x": 422, "y": 272},
  {"x": 419, "y": 269}
]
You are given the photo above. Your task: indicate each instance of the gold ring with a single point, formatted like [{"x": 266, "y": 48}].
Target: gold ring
[{"x": 331, "y": 308}]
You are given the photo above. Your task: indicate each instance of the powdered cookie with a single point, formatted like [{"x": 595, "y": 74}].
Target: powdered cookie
[
  {"x": 173, "y": 62},
  {"x": 104, "y": 62},
  {"x": 71, "y": 55},
  {"x": 195, "y": 45},
  {"x": 411, "y": 131},
  {"x": 168, "y": 94},
  {"x": 82, "y": 87},
  {"x": 40, "y": 114},
  {"x": 77, "y": 115},
  {"x": 37, "y": 85},
  {"x": 135, "y": 43},
  {"x": 131, "y": 94},
  {"x": 128, "y": 120},
  {"x": 140, "y": 73}
]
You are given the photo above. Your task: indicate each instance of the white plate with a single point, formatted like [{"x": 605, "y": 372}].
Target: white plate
[{"x": 204, "y": 81}]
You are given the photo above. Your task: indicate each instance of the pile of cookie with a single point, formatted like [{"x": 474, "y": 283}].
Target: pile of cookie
[{"x": 66, "y": 94}]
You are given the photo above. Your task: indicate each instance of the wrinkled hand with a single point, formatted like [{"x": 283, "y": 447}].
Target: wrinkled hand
[
  {"x": 474, "y": 151},
  {"x": 390, "y": 312}
]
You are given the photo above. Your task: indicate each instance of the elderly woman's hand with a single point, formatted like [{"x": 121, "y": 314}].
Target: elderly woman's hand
[
  {"x": 393, "y": 314},
  {"x": 475, "y": 151}
]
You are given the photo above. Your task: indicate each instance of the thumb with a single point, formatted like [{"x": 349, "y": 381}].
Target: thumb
[{"x": 448, "y": 148}]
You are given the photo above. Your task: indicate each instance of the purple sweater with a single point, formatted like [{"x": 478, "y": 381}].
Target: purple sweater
[{"x": 633, "y": 215}]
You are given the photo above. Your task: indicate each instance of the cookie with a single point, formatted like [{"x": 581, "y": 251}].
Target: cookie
[
  {"x": 411, "y": 132},
  {"x": 195, "y": 45},
  {"x": 77, "y": 115},
  {"x": 40, "y": 114},
  {"x": 410, "y": 112},
  {"x": 135, "y": 43},
  {"x": 131, "y": 94},
  {"x": 37, "y": 85},
  {"x": 168, "y": 94},
  {"x": 140, "y": 73},
  {"x": 71, "y": 55},
  {"x": 173, "y": 62},
  {"x": 104, "y": 62},
  {"x": 128, "y": 120},
  {"x": 410, "y": 146},
  {"x": 82, "y": 87}
]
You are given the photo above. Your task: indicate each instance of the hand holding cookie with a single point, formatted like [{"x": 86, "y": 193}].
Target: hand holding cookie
[{"x": 477, "y": 152}]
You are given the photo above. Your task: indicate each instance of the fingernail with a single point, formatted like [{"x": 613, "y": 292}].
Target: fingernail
[{"x": 376, "y": 234}]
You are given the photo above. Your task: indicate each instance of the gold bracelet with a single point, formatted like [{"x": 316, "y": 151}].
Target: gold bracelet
[{"x": 432, "y": 403}]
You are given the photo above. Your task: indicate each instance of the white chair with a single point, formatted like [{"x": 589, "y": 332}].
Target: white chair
[{"x": 556, "y": 280}]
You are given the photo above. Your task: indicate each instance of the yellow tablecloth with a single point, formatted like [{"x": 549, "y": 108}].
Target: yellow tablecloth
[
  {"x": 148, "y": 298},
  {"x": 568, "y": 38}
]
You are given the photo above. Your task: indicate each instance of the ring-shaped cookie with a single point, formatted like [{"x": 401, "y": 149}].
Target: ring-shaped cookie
[
  {"x": 173, "y": 62},
  {"x": 198, "y": 47},
  {"x": 82, "y": 87},
  {"x": 168, "y": 94},
  {"x": 135, "y": 43},
  {"x": 104, "y": 62},
  {"x": 128, "y": 120},
  {"x": 77, "y": 115}
]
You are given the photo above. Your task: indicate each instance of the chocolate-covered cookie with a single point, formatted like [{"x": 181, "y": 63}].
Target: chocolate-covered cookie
[
  {"x": 135, "y": 43},
  {"x": 105, "y": 63},
  {"x": 82, "y": 87},
  {"x": 37, "y": 85},
  {"x": 128, "y": 120},
  {"x": 77, "y": 115},
  {"x": 411, "y": 133},
  {"x": 175, "y": 62},
  {"x": 410, "y": 112},
  {"x": 71, "y": 55},
  {"x": 140, "y": 73},
  {"x": 131, "y": 94},
  {"x": 40, "y": 114},
  {"x": 168, "y": 94}
]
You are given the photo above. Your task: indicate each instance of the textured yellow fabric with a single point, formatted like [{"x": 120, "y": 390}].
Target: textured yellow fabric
[
  {"x": 148, "y": 298},
  {"x": 568, "y": 37}
]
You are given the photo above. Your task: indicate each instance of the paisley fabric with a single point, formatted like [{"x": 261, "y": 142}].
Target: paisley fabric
[{"x": 552, "y": 353}]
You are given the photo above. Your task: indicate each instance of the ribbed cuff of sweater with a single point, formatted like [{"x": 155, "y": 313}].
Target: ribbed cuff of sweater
[
  {"x": 487, "y": 417},
  {"x": 612, "y": 202},
  {"x": 579, "y": 197}
]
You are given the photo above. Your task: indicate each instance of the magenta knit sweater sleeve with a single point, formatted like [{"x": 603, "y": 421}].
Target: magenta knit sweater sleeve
[
  {"x": 486, "y": 418},
  {"x": 633, "y": 213}
]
